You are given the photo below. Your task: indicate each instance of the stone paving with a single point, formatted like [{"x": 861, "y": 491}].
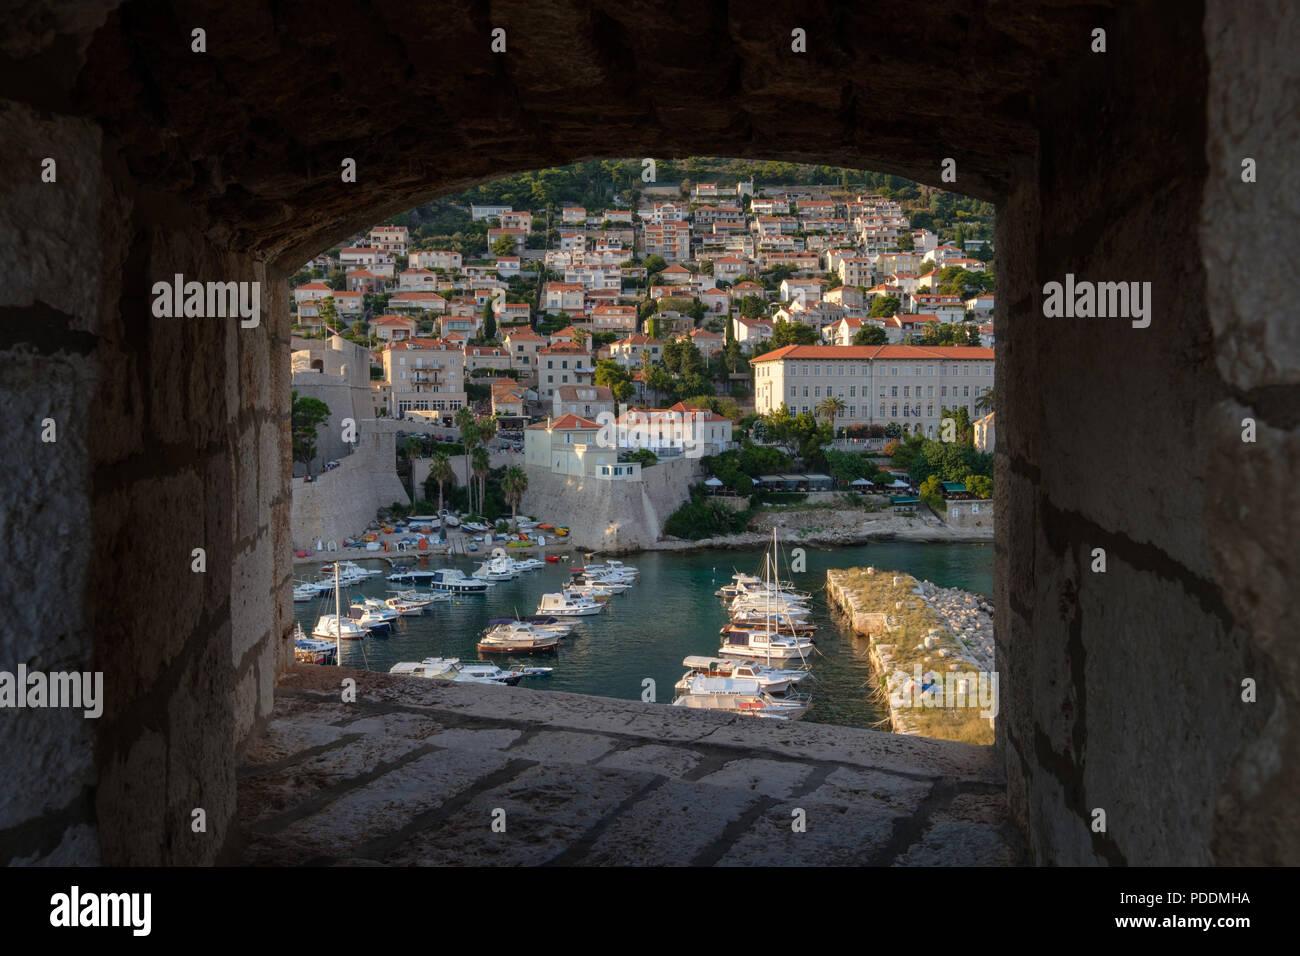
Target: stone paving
[{"x": 415, "y": 772}]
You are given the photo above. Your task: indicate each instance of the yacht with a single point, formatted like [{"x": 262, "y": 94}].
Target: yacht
[
  {"x": 562, "y": 604},
  {"x": 453, "y": 669},
  {"x": 773, "y": 680},
  {"x": 305, "y": 593},
  {"x": 516, "y": 638},
  {"x": 739, "y": 697},
  {"x": 311, "y": 650},
  {"x": 370, "y": 618},
  {"x": 538, "y": 622},
  {"x": 496, "y": 569},
  {"x": 764, "y": 643},
  {"x": 332, "y": 626}
]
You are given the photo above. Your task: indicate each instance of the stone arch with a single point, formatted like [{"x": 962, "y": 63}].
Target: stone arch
[{"x": 214, "y": 170}]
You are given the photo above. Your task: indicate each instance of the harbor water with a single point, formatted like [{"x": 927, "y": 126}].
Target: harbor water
[{"x": 645, "y": 632}]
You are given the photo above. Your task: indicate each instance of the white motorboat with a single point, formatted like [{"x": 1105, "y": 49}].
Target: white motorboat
[
  {"x": 516, "y": 638},
  {"x": 562, "y": 604},
  {"x": 771, "y": 679},
  {"x": 305, "y": 593},
  {"x": 421, "y": 597},
  {"x": 456, "y": 581},
  {"x": 372, "y": 619},
  {"x": 538, "y": 622},
  {"x": 449, "y": 520},
  {"x": 454, "y": 669},
  {"x": 496, "y": 569},
  {"x": 333, "y": 626},
  {"x": 350, "y": 569},
  {"x": 312, "y": 650},
  {"x": 739, "y": 697},
  {"x": 407, "y": 608}
]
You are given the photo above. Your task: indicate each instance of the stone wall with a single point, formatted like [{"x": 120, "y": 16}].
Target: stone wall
[
  {"x": 961, "y": 514},
  {"x": 1123, "y": 688},
  {"x": 607, "y": 515},
  {"x": 343, "y": 500}
]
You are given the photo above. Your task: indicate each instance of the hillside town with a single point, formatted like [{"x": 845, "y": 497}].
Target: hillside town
[{"x": 781, "y": 338}]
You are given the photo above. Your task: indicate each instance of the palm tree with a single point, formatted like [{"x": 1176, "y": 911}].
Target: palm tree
[
  {"x": 482, "y": 465},
  {"x": 985, "y": 402},
  {"x": 830, "y": 408},
  {"x": 465, "y": 421},
  {"x": 513, "y": 485},
  {"x": 440, "y": 471}
]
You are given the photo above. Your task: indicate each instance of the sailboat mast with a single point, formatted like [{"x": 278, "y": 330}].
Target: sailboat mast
[{"x": 338, "y": 624}]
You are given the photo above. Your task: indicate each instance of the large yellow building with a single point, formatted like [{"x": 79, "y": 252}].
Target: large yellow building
[{"x": 878, "y": 384}]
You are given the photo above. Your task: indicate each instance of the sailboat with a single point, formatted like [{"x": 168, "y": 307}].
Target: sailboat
[{"x": 766, "y": 638}]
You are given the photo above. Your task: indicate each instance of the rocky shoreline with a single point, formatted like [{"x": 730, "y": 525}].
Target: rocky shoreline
[
  {"x": 916, "y": 625},
  {"x": 829, "y": 529}
]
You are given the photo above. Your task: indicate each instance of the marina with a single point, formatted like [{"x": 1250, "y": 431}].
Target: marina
[{"x": 647, "y": 631}]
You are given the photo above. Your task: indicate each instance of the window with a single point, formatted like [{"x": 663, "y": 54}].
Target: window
[
  {"x": 794, "y": 390},
  {"x": 929, "y": 391},
  {"x": 929, "y": 411},
  {"x": 965, "y": 391},
  {"x": 882, "y": 391},
  {"x": 817, "y": 391},
  {"x": 853, "y": 389},
  {"x": 943, "y": 391},
  {"x": 805, "y": 391},
  {"x": 916, "y": 371},
  {"x": 882, "y": 409},
  {"x": 893, "y": 411},
  {"x": 907, "y": 391},
  {"x": 853, "y": 411},
  {"x": 893, "y": 391}
]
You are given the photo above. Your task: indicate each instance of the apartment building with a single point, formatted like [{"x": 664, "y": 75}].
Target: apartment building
[
  {"x": 879, "y": 384},
  {"x": 424, "y": 376}
]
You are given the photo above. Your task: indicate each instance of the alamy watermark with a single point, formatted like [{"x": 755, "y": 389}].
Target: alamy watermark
[
  {"x": 1101, "y": 300},
  {"x": 655, "y": 429},
  {"x": 208, "y": 300},
  {"x": 946, "y": 691},
  {"x": 37, "y": 689}
]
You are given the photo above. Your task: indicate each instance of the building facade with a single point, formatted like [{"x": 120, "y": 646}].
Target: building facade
[{"x": 878, "y": 384}]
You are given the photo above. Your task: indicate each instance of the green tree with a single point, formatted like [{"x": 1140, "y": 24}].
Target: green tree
[
  {"x": 307, "y": 416},
  {"x": 884, "y": 306},
  {"x": 439, "y": 472},
  {"x": 514, "y": 483},
  {"x": 985, "y": 402},
  {"x": 870, "y": 335},
  {"x": 830, "y": 408},
  {"x": 791, "y": 333},
  {"x": 482, "y": 465},
  {"x": 466, "y": 422},
  {"x": 504, "y": 246},
  {"x": 489, "y": 321}
]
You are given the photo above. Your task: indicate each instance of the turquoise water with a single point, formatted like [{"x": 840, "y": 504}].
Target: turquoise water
[{"x": 671, "y": 613}]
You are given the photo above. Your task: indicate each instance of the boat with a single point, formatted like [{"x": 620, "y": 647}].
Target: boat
[
  {"x": 370, "y": 618},
  {"x": 476, "y": 526},
  {"x": 561, "y": 604},
  {"x": 497, "y": 569},
  {"x": 420, "y": 597},
  {"x": 560, "y": 627},
  {"x": 516, "y": 638},
  {"x": 304, "y": 593},
  {"x": 771, "y": 679},
  {"x": 328, "y": 626},
  {"x": 454, "y": 580},
  {"x": 552, "y": 559},
  {"x": 784, "y": 623},
  {"x": 449, "y": 520},
  {"x": 767, "y": 640},
  {"x": 739, "y": 697},
  {"x": 407, "y": 608},
  {"x": 312, "y": 650},
  {"x": 453, "y": 669}
]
